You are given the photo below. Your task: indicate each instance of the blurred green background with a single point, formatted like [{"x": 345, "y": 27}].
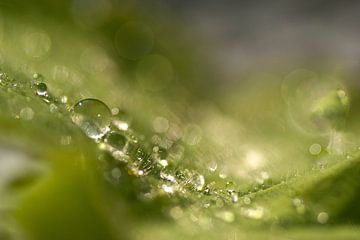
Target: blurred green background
[{"x": 255, "y": 101}]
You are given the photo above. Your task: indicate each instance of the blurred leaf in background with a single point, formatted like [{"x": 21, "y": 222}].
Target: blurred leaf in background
[{"x": 178, "y": 120}]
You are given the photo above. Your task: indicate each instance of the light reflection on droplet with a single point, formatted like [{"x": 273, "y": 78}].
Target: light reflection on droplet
[
  {"x": 41, "y": 89},
  {"x": 198, "y": 182},
  {"x": 167, "y": 188},
  {"x": 92, "y": 116},
  {"x": 121, "y": 125},
  {"x": 234, "y": 197},
  {"x": 223, "y": 174},
  {"x": 163, "y": 163},
  {"x": 212, "y": 166},
  {"x": 64, "y": 99}
]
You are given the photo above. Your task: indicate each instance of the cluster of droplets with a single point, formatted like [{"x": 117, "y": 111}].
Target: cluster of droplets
[
  {"x": 123, "y": 151},
  {"x": 119, "y": 142}
]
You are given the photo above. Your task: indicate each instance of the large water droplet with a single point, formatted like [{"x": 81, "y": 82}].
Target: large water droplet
[
  {"x": 41, "y": 89},
  {"x": 198, "y": 182},
  {"x": 116, "y": 140},
  {"x": 92, "y": 116}
]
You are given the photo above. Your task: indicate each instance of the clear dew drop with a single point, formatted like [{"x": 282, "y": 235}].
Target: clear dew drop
[
  {"x": 212, "y": 166},
  {"x": 121, "y": 125},
  {"x": 198, "y": 182},
  {"x": 167, "y": 188},
  {"x": 41, "y": 89},
  {"x": 64, "y": 99},
  {"x": 234, "y": 197},
  {"x": 115, "y": 140},
  {"x": 92, "y": 116},
  {"x": 163, "y": 163}
]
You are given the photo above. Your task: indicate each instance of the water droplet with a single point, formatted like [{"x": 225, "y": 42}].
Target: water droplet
[
  {"x": 92, "y": 116},
  {"x": 163, "y": 163},
  {"x": 315, "y": 149},
  {"x": 27, "y": 114},
  {"x": 41, "y": 89},
  {"x": 121, "y": 125},
  {"x": 167, "y": 188},
  {"x": 234, "y": 197},
  {"x": 4, "y": 79},
  {"x": 222, "y": 174},
  {"x": 120, "y": 155},
  {"x": 323, "y": 217},
  {"x": 64, "y": 99},
  {"x": 167, "y": 177},
  {"x": 207, "y": 191},
  {"x": 212, "y": 166},
  {"x": 116, "y": 140},
  {"x": 198, "y": 182}
]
